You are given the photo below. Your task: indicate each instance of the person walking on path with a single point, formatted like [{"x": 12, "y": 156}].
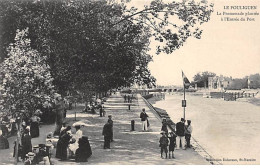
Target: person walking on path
[
  {"x": 164, "y": 144},
  {"x": 144, "y": 117},
  {"x": 164, "y": 127},
  {"x": 180, "y": 127},
  {"x": 110, "y": 121},
  {"x": 128, "y": 99},
  {"x": 172, "y": 139},
  {"x": 101, "y": 111},
  {"x": 125, "y": 99},
  {"x": 107, "y": 132},
  {"x": 188, "y": 131}
]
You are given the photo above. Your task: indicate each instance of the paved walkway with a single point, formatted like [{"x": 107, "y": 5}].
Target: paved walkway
[{"x": 128, "y": 148}]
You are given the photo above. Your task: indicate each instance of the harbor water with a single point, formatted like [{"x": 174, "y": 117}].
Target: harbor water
[{"x": 228, "y": 130}]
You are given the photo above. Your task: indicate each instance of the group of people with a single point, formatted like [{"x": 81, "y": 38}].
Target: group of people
[
  {"x": 77, "y": 145},
  {"x": 7, "y": 125},
  {"x": 180, "y": 138},
  {"x": 183, "y": 133},
  {"x": 128, "y": 98},
  {"x": 29, "y": 154}
]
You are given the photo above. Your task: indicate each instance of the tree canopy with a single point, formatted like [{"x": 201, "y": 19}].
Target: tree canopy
[
  {"x": 25, "y": 77},
  {"x": 98, "y": 45}
]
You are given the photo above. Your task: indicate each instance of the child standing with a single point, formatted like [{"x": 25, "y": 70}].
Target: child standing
[
  {"x": 172, "y": 139},
  {"x": 164, "y": 144}
]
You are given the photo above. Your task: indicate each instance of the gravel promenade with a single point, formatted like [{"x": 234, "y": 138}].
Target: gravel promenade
[{"x": 128, "y": 148}]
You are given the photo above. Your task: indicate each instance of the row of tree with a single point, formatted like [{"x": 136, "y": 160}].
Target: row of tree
[
  {"x": 93, "y": 46},
  {"x": 251, "y": 81}
]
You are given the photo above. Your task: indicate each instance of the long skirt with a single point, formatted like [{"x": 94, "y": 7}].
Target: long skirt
[
  {"x": 4, "y": 144},
  {"x": 34, "y": 130},
  {"x": 83, "y": 152},
  {"x": 58, "y": 150},
  {"x": 64, "y": 150}
]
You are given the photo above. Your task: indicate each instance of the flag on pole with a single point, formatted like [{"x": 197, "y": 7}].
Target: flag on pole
[{"x": 186, "y": 81}]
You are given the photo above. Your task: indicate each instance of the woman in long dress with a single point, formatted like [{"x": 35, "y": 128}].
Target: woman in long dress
[
  {"x": 65, "y": 141},
  {"x": 59, "y": 143},
  {"x": 4, "y": 144},
  {"x": 26, "y": 143},
  {"x": 84, "y": 151},
  {"x": 34, "y": 129}
]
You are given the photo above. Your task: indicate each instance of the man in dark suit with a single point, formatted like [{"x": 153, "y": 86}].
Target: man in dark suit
[
  {"x": 180, "y": 134},
  {"x": 107, "y": 132}
]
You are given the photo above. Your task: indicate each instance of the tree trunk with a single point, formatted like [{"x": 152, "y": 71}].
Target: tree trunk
[
  {"x": 60, "y": 107},
  {"x": 18, "y": 141}
]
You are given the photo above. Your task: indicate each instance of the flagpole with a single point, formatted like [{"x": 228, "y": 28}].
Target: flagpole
[{"x": 184, "y": 100}]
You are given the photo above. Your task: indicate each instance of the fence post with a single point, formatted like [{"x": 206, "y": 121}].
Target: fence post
[{"x": 132, "y": 125}]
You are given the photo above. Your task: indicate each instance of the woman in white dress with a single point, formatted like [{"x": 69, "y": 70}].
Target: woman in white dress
[{"x": 73, "y": 147}]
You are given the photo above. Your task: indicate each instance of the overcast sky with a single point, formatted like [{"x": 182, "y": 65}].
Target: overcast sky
[{"x": 227, "y": 48}]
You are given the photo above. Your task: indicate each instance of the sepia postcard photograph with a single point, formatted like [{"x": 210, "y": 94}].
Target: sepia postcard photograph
[{"x": 129, "y": 82}]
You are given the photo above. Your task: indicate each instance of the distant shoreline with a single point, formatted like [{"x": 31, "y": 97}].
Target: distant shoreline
[{"x": 253, "y": 100}]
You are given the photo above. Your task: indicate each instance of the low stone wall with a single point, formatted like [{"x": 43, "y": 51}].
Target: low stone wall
[
  {"x": 229, "y": 97},
  {"x": 217, "y": 95},
  {"x": 160, "y": 114}
]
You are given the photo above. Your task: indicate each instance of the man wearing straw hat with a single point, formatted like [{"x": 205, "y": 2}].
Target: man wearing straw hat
[{"x": 30, "y": 159}]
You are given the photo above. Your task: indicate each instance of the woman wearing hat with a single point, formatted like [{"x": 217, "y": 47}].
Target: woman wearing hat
[
  {"x": 73, "y": 147},
  {"x": 64, "y": 143},
  {"x": 59, "y": 144},
  {"x": 35, "y": 125}
]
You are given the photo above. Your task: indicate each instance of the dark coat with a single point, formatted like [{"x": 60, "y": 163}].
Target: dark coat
[
  {"x": 107, "y": 130},
  {"x": 26, "y": 145},
  {"x": 143, "y": 116},
  {"x": 58, "y": 148},
  {"x": 65, "y": 140},
  {"x": 164, "y": 127},
  {"x": 163, "y": 141},
  {"x": 34, "y": 129},
  {"x": 172, "y": 142},
  {"x": 84, "y": 151},
  {"x": 180, "y": 129}
]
